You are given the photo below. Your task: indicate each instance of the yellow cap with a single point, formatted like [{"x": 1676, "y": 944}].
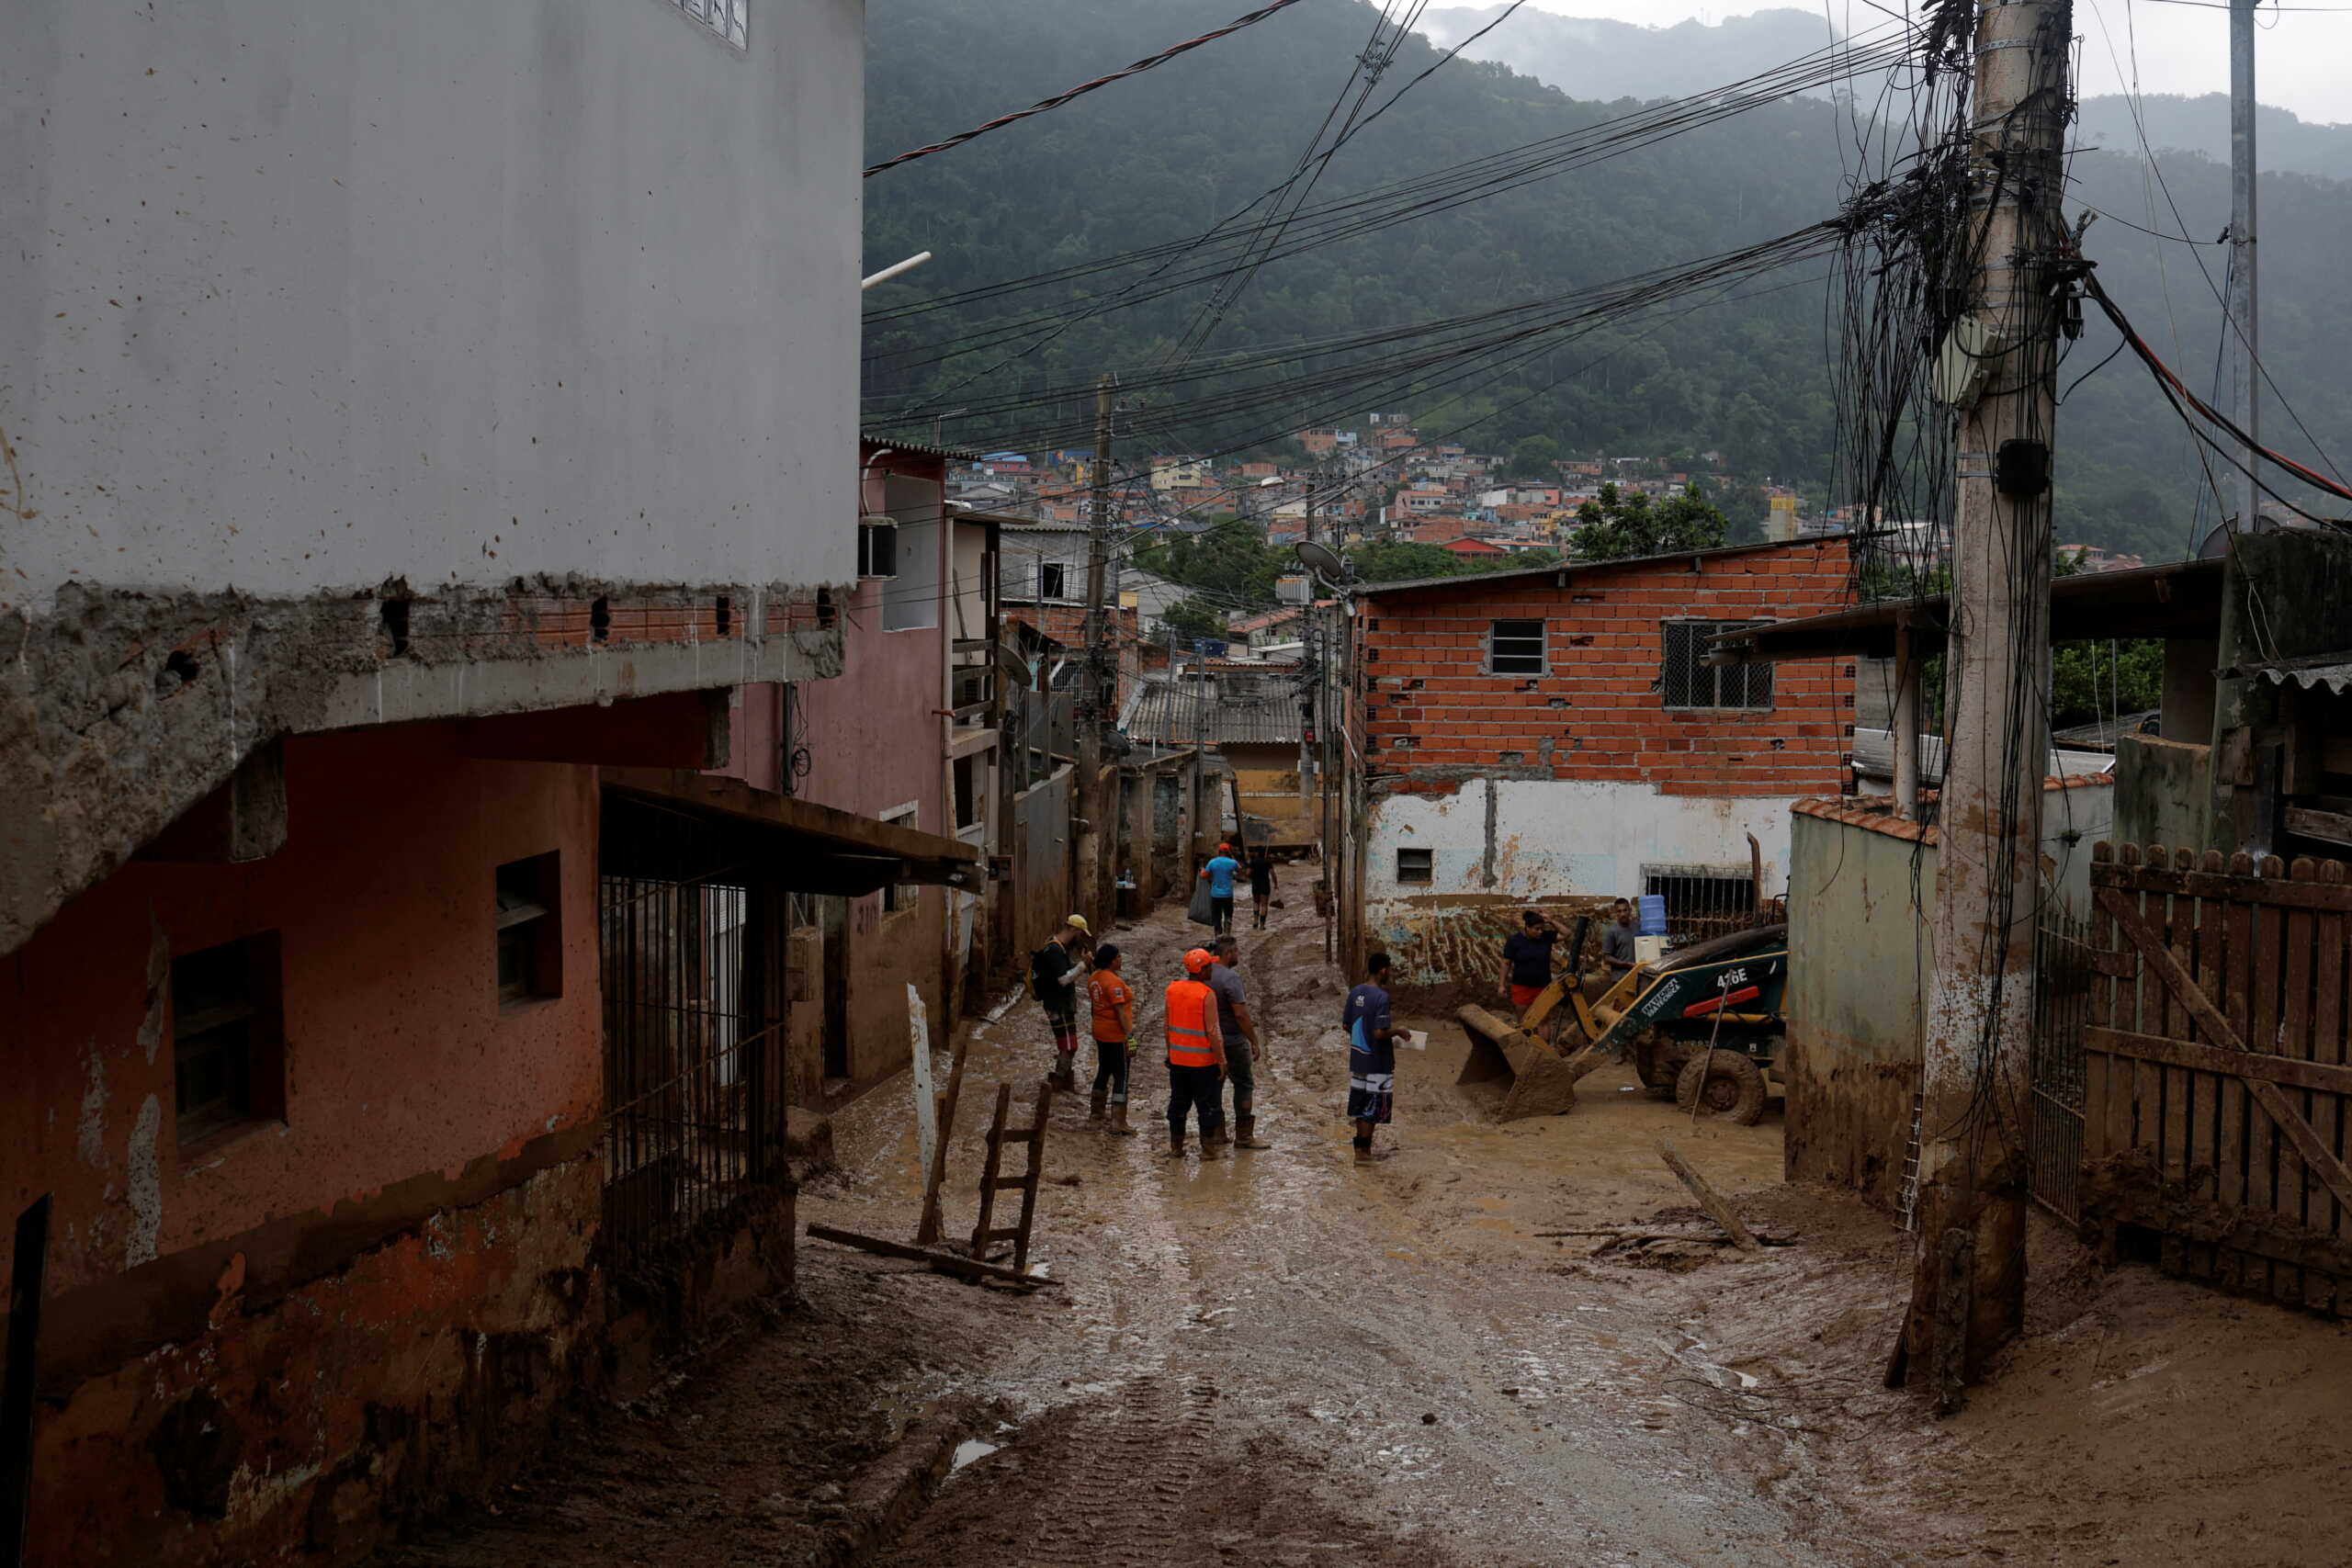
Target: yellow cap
[{"x": 1080, "y": 921}]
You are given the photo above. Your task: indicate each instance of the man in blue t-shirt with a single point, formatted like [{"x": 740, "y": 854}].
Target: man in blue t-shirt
[
  {"x": 1220, "y": 871},
  {"x": 1371, "y": 1056}
]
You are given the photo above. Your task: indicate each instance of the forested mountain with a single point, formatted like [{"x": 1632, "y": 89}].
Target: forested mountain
[
  {"x": 1596, "y": 57},
  {"x": 1167, "y": 154}
]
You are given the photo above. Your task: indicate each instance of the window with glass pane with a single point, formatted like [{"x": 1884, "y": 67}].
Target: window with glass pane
[{"x": 1515, "y": 648}]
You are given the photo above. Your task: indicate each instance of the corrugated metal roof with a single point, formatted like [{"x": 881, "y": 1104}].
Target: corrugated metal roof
[
  {"x": 1214, "y": 715},
  {"x": 2332, "y": 670},
  {"x": 1574, "y": 569}
]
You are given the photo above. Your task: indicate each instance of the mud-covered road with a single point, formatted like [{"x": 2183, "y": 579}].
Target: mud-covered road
[{"x": 1281, "y": 1357}]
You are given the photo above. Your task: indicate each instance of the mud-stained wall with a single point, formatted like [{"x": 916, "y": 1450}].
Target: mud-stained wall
[
  {"x": 1269, "y": 778},
  {"x": 874, "y": 738},
  {"x": 1860, "y": 967},
  {"x": 1510, "y": 842},
  {"x": 255, "y": 1337},
  {"x": 398, "y": 1055},
  {"x": 2163, "y": 792}
]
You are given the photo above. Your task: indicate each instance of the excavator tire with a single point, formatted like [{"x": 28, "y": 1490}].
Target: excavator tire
[{"x": 1730, "y": 1085}]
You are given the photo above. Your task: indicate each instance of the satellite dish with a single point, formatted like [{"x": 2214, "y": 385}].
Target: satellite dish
[
  {"x": 1325, "y": 561},
  {"x": 1014, "y": 665}
]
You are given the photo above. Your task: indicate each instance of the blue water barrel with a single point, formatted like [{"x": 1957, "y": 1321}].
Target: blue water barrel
[{"x": 1651, "y": 921}]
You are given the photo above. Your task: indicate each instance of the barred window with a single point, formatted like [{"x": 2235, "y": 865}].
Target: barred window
[
  {"x": 730, "y": 19},
  {"x": 1688, "y": 680},
  {"x": 1515, "y": 648}
]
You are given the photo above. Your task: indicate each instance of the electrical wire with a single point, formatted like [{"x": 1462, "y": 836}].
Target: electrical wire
[{"x": 1058, "y": 100}]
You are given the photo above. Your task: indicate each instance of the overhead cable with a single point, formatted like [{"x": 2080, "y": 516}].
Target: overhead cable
[{"x": 1058, "y": 100}]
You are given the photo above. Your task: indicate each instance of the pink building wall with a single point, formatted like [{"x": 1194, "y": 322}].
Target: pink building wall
[{"x": 257, "y": 1345}]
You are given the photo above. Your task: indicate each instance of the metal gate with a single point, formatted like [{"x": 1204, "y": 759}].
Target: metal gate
[
  {"x": 693, "y": 1061},
  {"x": 2061, "y": 1008}
]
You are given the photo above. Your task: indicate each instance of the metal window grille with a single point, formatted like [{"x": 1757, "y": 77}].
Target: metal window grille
[
  {"x": 730, "y": 19},
  {"x": 1705, "y": 901},
  {"x": 693, "y": 1057},
  {"x": 2062, "y": 998},
  {"x": 1687, "y": 680},
  {"x": 1415, "y": 866},
  {"x": 1515, "y": 648}
]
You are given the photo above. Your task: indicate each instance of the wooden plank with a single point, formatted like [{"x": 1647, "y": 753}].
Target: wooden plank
[
  {"x": 2329, "y": 827},
  {"x": 2238, "y": 1186},
  {"x": 2206, "y": 883},
  {"x": 27, "y": 1285},
  {"x": 990, "y": 1169},
  {"x": 2259, "y": 1025},
  {"x": 2203, "y": 1087},
  {"x": 1709, "y": 1200},
  {"x": 2172, "y": 1146},
  {"x": 2233, "y": 1108},
  {"x": 2227, "y": 1095},
  {"x": 2329, "y": 1078},
  {"x": 1035, "y": 1172},
  {"x": 927, "y": 1229},
  {"x": 2113, "y": 1004},
  {"x": 2271, "y": 1100},
  {"x": 943, "y": 1262},
  {"x": 2295, "y": 1044},
  {"x": 2328, "y": 1017},
  {"x": 2147, "y": 1078}
]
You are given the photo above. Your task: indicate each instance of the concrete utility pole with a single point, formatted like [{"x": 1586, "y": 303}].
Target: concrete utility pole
[
  {"x": 1969, "y": 1294},
  {"x": 1100, "y": 683},
  {"x": 2244, "y": 376}
]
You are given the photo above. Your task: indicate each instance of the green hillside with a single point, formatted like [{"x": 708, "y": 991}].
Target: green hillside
[{"x": 1166, "y": 155}]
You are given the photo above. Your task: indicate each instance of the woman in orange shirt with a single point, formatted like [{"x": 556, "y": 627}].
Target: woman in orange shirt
[{"x": 1114, "y": 1025}]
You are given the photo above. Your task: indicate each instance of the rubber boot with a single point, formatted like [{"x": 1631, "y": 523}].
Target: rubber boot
[
  {"x": 1176, "y": 1140},
  {"x": 1119, "y": 1122},
  {"x": 1364, "y": 1151},
  {"x": 1094, "y": 1109},
  {"x": 1214, "y": 1142},
  {"x": 1063, "y": 1079},
  {"x": 1245, "y": 1133}
]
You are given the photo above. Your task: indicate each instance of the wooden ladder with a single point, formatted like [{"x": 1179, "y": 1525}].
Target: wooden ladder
[
  {"x": 1906, "y": 1198},
  {"x": 993, "y": 1182}
]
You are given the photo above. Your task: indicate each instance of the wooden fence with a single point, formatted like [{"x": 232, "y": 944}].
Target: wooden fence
[{"x": 2217, "y": 1077}]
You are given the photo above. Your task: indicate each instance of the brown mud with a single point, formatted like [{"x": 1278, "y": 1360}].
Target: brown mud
[{"x": 1281, "y": 1357}]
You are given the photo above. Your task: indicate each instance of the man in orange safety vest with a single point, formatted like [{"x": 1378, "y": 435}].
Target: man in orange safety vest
[{"x": 1196, "y": 1056}]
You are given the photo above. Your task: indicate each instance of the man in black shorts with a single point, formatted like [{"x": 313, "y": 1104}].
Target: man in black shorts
[{"x": 1261, "y": 881}]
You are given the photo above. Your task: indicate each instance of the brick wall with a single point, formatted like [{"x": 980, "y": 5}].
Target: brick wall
[{"x": 1597, "y": 714}]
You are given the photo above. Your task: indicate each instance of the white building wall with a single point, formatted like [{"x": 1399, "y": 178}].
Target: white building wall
[
  {"x": 1556, "y": 838},
  {"x": 306, "y": 295}
]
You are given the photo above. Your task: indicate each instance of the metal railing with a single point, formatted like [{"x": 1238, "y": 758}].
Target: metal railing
[
  {"x": 691, "y": 1058},
  {"x": 2062, "y": 998}
]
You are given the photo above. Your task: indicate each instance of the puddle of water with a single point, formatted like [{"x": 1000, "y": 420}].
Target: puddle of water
[{"x": 971, "y": 1450}]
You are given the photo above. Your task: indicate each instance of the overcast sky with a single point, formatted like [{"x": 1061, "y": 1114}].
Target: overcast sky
[{"x": 2300, "y": 57}]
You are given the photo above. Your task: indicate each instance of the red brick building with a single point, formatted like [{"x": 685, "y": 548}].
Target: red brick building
[{"x": 1557, "y": 734}]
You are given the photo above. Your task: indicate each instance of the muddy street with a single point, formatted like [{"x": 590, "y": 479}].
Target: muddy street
[{"x": 1282, "y": 1356}]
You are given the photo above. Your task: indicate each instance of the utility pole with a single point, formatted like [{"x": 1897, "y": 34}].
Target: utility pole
[
  {"x": 1968, "y": 1296},
  {"x": 2244, "y": 396},
  {"x": 1100, "y": 683}
]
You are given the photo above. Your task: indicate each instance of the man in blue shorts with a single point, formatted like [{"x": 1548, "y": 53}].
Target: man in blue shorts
[
  {"x": 1220, "y": 871},
  {"x": 1371, "y": 1056}
]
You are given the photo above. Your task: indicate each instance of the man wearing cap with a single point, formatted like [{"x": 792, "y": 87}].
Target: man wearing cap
[
  {"x": 1221, "y": 869},
  {"x": 1196, "y": 1056},
  {"x": 1054, "y": 972}
]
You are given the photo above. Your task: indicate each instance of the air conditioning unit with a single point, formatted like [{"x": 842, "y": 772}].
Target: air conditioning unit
[
  {"x": 878, "y": 546},
  {"x": 1294, "y": 590}
]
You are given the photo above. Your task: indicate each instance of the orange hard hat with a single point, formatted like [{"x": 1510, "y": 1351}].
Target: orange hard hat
[
  {"x": 1198, "y": 960},
  {"x": 1225, "y": 849}
]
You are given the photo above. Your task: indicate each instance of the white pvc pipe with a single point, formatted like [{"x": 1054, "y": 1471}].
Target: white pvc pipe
[{"x": 894, "y": 269}]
